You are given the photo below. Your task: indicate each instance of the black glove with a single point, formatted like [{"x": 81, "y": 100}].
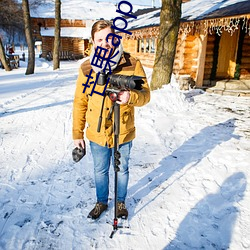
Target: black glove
[{"x": 78, "y": 153}]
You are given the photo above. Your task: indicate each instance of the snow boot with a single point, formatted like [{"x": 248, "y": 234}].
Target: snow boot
[
  {"x": 97, "y": 210},
  {"x": 122, "y": 211}
]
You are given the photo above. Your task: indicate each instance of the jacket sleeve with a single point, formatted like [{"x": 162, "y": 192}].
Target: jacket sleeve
[
  {"x": 80, "y": 105},
  {"x": 139, "y": 98}
]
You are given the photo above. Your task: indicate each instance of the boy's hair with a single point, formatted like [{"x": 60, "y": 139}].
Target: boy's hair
[{"x": 99, "y": 25}]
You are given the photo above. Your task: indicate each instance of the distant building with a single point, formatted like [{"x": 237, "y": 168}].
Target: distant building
[
  {"x": 77, "y": 19},
  {"x": 74, "y": 36}
]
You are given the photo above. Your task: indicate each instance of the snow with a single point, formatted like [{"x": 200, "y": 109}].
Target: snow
[
  {"x": 76, "y": 9},
  {"x": 92, "y": 10},
  {"x": 189, "y": 169},
  {"x": 84, "y": 33},
  {"x": 192, "y": 10},
  {"x": 149, "y": 19},
  {"x": 84, "y": 10},
  {"x": 196, "y": 9}
]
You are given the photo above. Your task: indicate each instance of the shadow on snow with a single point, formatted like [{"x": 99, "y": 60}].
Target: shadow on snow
[
  {"x": 190, "y": 153},
  {"x": 210, "y": 223}
]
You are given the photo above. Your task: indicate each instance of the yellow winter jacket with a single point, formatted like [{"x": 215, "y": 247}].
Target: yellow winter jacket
[{"x": 87, "y": 108}]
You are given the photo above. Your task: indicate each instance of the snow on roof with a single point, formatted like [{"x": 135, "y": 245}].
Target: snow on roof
[
  {"x": 76, "y": 9},
  {"x": 197, "y": 9},
  {"x": 80, "y": 32},
  {"x": 79, "y": 9},
  {"x": 192, "y": 10},
  {"x": 145, "y": 20}
]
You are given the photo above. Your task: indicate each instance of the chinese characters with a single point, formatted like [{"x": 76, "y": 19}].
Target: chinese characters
[{"x": 105, "y": 61}]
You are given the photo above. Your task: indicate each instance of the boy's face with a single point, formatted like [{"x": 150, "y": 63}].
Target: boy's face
[{"x": 100, "y": 40}]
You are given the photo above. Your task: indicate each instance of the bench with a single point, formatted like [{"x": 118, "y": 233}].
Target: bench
[
  {"x": 13, "y": 61},
  {"x": 63, "y": 55}
]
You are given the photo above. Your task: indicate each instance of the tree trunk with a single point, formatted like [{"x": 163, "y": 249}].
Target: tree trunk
[
  {"x": 168, "y": 34},
  {"x": 3, "y": 57},
  {"x": 56, "y": 59},
  {"x": 29, "y": 38}
]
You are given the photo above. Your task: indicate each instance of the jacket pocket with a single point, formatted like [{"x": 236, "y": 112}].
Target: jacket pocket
[{"x": 126, "y": 120}]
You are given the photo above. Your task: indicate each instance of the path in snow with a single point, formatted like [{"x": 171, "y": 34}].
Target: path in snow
[{"x": 189, "y": 171}]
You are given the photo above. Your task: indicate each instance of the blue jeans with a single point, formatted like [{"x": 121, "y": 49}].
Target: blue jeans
[{"x": 102, "y": 157}]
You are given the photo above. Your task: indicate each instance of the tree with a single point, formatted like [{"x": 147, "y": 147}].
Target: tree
[
  {"x": 168, "y": 34},
  {"x": 11, "y": 24},
  {"x": 28, "y": 33},
  {"x": 3, "y": 57},
  {"x": 56, "y": 59},
  {"x": 11, "y": 19}
]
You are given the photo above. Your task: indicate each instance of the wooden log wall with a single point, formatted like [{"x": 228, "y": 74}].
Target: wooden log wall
[
  {"x": 186, "y": 55},
  {"x": 133, "y": 47},
  {"x": 209, "y": 58},
  {"x": 179, "y": 60},
  {"x": 47, "y": 45},
  {"x": 146, "y": 59},
  {"x": 79, "y": 46},
  {"x": 73, "y": 45},
  {"x": 129, "y": 46},
  {"x": 190, "y": 56},
  {"x": 50, "y": 22},
  {"x": 245, "y": 60},
  {"x": 186, "y": 52},
  {"x": 66, "y": 44}
]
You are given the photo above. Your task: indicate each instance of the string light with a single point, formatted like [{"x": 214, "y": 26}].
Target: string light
[{"x": 218, "y": 25}]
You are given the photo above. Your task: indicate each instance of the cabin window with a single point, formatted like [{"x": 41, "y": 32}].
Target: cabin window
[
  {"x": 140, "y": 45},
  {"x": 152, "y": 45},
  {"x": 146, "y": 45}
]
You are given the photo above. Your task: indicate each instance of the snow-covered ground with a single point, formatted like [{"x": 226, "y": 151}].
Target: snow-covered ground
[{"x": 189, "y": 169}]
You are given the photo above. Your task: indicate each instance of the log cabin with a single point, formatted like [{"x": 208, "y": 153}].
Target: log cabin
[
  {"x": 74, "y": 41},
  {"x": 76, "y": 21},
  {"x": 213, "y": 41}
]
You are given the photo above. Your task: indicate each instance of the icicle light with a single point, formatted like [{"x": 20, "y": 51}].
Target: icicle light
[{"x": 218, "y": 25}]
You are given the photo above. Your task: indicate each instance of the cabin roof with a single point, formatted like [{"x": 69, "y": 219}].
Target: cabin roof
[
  {"x": 76, "y": 32},
  {"x": 79, "y": 10},
  {"x": 76, "y": 10},
  {"x": 208, "y": 9},
  {"x": 193, "y": 10}
]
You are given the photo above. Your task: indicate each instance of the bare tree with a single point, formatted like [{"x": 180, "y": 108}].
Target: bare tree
[
  {"x": 11, "y": 24},
  {"x": 3, "y": 57},
  {"x": 28, "y": 33},
  {"x": 168, "y": 34},
  {"x": 11, "y": 16},
  {"x": 56, "y": 59}
]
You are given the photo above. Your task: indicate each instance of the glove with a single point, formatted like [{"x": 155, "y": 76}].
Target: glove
[{"x": 78, "y": 153}]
